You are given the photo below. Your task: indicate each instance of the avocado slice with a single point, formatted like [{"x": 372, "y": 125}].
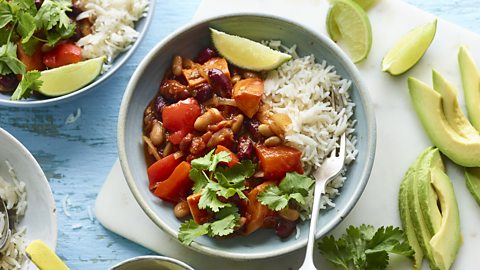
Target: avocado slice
[
  {"x": 472, "y": 179},
  {"x": 471, "y": 85},
  {"x": 454, "y": 115},
  {"x": 447, "y": 241},
  {"x": 405, "y": 213},
  {"x": 418, "y": 215},
  {"x": 428, "y": 105}
]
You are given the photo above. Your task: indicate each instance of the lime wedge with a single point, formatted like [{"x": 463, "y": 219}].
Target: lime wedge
[
  {"x": 246, "y": 53},
  {"x": 348, "y": 25},
  {"x": 409, "y": 49},
  {"x": 63, "y": 80},
  {"x": 366, "y": 4}
]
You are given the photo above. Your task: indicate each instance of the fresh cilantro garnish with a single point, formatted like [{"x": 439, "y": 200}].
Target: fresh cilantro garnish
[
  {"x": 29, "y": 82},
  {"x": 214, "y": 182},
  {"x": 365, "y": 248},
  {"x": 52, "y": 18},
  {"x": 9, "y": 62},
  {"x": 224, "y": 224},
  {"x": 293, "y": 187}
]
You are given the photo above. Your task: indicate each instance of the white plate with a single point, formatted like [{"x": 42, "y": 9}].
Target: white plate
[{"x": 40, "y": 218}]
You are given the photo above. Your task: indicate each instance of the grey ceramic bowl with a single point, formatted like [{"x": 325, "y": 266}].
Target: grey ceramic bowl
[
  {"x": 187, "y": 42},
  {"x": 141, "y": 26},
  {"x": 151, "y": 263},
  {"x": 40, "y": 218}
]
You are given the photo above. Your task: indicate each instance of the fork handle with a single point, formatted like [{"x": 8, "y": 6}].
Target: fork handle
[{"x": 308, "y": 262}]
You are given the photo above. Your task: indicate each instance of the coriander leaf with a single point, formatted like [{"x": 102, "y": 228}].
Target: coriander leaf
[
  {"x": 26, "y": 26},
  {"x": 217, "y": 158},
  {"x": 29, "y": 82},
  {"x": 272, "y": 197},
  {"x": 52, "y": 18},
  {"x": 224, "y": 226},
  {"x": 224, "y": 212},
  {"x": 6, "y": 14},
  {"x": 25, "y": 5},
  {"x": 189, "y": 230},
  {"x": 199, "y": 178},
  {"x": 31, "y": 46},
  {"x": 209, "y": 198},
  {"x": 293, "y": 187},
  {"x": 210, "y": 161},
  {"x": 364, "y": 248},
  {"x": 235, "y": 176},
  {"x": 9, "y": 62},
  {"x": 295, "y": 182}
]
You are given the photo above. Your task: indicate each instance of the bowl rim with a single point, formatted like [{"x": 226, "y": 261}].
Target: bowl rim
[
  {"x": 42, "y": 181},
  {"x": 97, "y": 82},
  {"x": 155, "y": 258},
  {"x": 363, "y": 179}
]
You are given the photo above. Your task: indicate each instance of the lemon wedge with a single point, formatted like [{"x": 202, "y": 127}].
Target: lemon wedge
[
  {"x": 409, "y": 49},
  {"x": 348, "y": 25},
  {"x": 43, "y": 257},
  {"x": 66, "y": 79},
  {"x": 246, "y": 53}
]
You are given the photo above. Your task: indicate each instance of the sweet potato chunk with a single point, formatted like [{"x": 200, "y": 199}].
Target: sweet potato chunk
[
  {"x": 278, "y": 160},
  {"x": 218, "y": 63},
  {"x": 200, "y": 216},
  {"x": 194, "y": 76},
  {"x": 255, "y": 211},
  {"x": 247, "y": 93}
]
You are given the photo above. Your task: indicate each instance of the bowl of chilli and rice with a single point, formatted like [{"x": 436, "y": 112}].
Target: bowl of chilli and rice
[{"x": 319, "y": 89}]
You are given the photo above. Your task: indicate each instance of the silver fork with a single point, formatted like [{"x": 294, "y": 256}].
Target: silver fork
[{"x": 330, "y": 168}]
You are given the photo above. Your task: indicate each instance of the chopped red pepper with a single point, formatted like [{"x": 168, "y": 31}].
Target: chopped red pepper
[
  {"x": 161, "y": 170},
  {"x": 63, "y": 54},
  {"x": 177, "y": 186},
  {"x": 179, "y": 118}
]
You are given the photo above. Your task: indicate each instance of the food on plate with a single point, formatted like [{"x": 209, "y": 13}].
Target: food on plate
[
  {"x": 233, "y": 148},
  {"x": 471, "y": 85},
  {"x": 429, "y": 211},
  {"x": 428, "y": 104},
  {"x": 13, "y": 193},
  {"x": 409, "y": 49},
  {"x": 44, "y": 35},
  {"x": 348, "y": 25},
  {"x": 366, "y": 4},
  {"x": 361, "y": 247},
  {"x": 246, "y": 53},
  {"x": 472, "y": 179}
]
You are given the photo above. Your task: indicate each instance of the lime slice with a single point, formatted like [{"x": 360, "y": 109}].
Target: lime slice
[
  {"x": 246, "y": 53},
  {"x": 348, "y": 25},
  {"x": 63, "y": 80},
  {"x": 366, "y": 4},
  {"x": 409, "y": 49}
]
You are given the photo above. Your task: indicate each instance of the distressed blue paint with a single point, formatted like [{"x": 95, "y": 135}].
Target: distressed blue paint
[{"x": 77, "y": 157}]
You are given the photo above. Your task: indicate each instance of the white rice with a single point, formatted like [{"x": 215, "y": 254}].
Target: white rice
[
  {"x": 317, "y": 101},
  {"x": 113, "y": 28},
  {"x": 14, "y": 194}
]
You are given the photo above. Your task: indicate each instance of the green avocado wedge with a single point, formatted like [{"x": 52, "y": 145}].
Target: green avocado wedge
[
  {"x": 472, "y": 179},
  {"x": 405, "y": 214},
  {"x": 453, "y": 113},
  {"x": 429, "y": 108},
  {"x": 447, "y": 241},
  {"x": 471, "y": 85}
]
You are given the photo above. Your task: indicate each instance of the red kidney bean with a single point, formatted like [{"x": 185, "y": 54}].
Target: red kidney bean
[
  {"x": 185, "y": 143},
  {"x": 203, "y": 92},
  {"x": 270, "y": 222},
  {"x": 8, "y": 82},
  {"x": 284, "y": 228},
  {"x": 220, "y": 83},
  {"x": 173, "y": 90},
  {"x": 159, "y": 103},
  {"x": 245, "y": 148},
  {"x": 205, "y": 55},
  {"x": 252, "y": 126}
]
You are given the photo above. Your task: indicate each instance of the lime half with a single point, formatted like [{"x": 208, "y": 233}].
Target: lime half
[
  {"x": 246, "y": 53},
  {"x": 63, "y": 80},
  {"x": 348, "y": 25},
  {"x": 409, "y": 49}
]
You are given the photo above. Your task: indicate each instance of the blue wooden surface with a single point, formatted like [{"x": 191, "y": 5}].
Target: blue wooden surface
[{"x": 77, "y": 157}]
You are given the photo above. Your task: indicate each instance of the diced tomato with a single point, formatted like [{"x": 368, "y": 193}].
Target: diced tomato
[
  {"x": 161, "y": 170},
  {"x": 63, "y": 54},
  {"x": 179, "y": 118},
  {"x": 256, "y": 212},
  {"x": 32, "y": 62},
  {"x": 278, "y": 160},
  {"x": 247, "y": 93},
  {"x": 177, "y": 185},
  {"x": 200, "y": 216},
  {"x": 234, "y": 159}
]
